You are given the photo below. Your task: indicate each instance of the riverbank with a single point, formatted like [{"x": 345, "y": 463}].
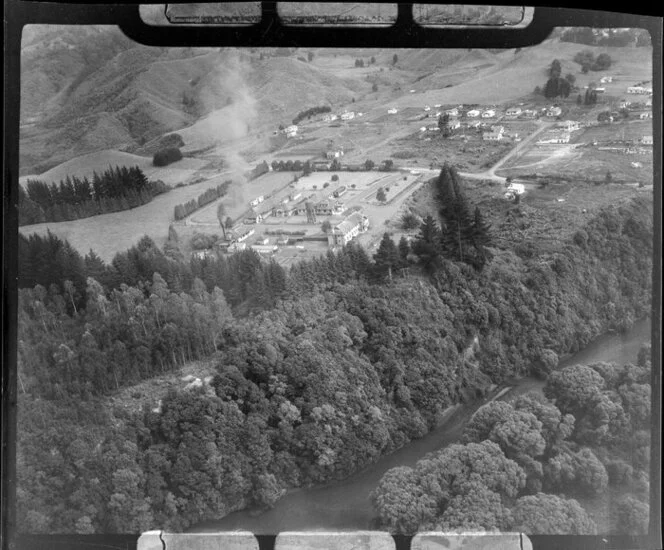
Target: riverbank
[{"x": 345, "y": 505}]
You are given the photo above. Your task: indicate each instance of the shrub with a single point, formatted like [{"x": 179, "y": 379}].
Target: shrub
[{"x": 166, "y": 156}]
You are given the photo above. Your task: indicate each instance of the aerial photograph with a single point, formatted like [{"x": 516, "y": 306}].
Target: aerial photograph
[{"x": 279, "y": 289}]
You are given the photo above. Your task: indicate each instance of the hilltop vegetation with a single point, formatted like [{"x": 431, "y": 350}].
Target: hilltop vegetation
[{"x": 319, "y": 370}]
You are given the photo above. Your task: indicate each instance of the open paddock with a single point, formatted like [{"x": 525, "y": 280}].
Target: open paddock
[
  {"x": 628, "y": 130},
  {"x": 108, "y": 234},
  {"x": 182, "y": 171}
]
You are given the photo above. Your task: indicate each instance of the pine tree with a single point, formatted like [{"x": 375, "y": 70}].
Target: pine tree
[
  {"x": 404, "y": 250},
  {"x": 480, "y": 230},
  {"x": 386, "y": 258},
  {"x": 427, "y": 244}
]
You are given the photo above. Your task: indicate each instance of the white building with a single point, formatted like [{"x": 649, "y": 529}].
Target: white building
[
  {"x": 329, "y": 117},
  {"x": 292, "y": 129},
  {"x": 555, "y": 138},
  {"x": 257, "y": 200},
  {"x": 644, "y": 116},
  {"x": 639, "y": 90},
  {"x": 513, "y": 111},
  {"x": 348, "y": 229},
  {"x": 569, "y": 125},
  {"x": 473, "y": 113},
  {"x": 489, "y": 113},
  {"x": 606, "y": 79},
  {"x": 452, "y": 112},
  {"x": 392, "y": 111},
  {"x": 646, "y": 140},
  {"x": 265, "y": 249},
  {"x": 427, "y": 108},
  {"x": 348, "y": 115},
  {"x": 554, "y": 111},
  {"x": 495, "y": 134}
]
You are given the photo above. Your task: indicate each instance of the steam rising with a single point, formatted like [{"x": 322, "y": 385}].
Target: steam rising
[{"x": 232, "y": 106}]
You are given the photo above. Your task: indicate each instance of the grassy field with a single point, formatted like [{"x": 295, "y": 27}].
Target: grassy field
[
  {"x": 109, "y": 234},
  {"x": 178, "y": 172}
]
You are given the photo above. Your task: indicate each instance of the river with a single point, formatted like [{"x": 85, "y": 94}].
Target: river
[{"x": 345, "y": 505}]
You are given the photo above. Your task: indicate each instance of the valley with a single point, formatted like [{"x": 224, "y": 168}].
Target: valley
[{"x": 322, "y": 264}]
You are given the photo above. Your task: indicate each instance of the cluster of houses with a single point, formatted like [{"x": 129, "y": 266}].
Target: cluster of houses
[
  {"x": 639, "y": 90},
  {"x": 323, "y": 203},
  {"x": 345, "y": 116}
]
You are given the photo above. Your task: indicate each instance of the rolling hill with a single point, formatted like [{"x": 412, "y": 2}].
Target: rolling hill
[{"x": 90, "y": 89}]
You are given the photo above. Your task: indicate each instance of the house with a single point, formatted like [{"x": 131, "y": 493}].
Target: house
[
  {"x": 423, "y": 128},
  {"x": 606, "y": 79},
  {"x": 254, "y": 217},
  {"x": 473, "y": 124},
  {"x": 265, "y": 249},
  {"x": 202, "y": 254},
  {"x": 290, "y": 130},
  {"x": 263, "y": 240},
  {"x": 236, "y": 247},
  {"x": 528, "y": 113},
  {"x": 517, "y": 188},
  {"x": 339, "y": 191},
  {"x": 257, "y": 201},
  {"x": 437, "y": 105},
  {"x": 646, "y": 140},
  {"x": 644, "y": 116},
  {"x": 392, "y": 111},
  {"x": 334, "y": 154},
  {"x": 569, "y": 125},
  {"x": 345, "y": 231},
  {"x": 452, "y": 125},
  {"x": 329, "y": 208},
  {"x": 624, "y": 104},
  {"x": 638, "y": 90},
  {"x": 452, "y": 112},
  {"x": 320, "y": 165},
  {"x": 435, "y": 128},
  {"x": 649, "y": 103},
  {"x": 427, "y": 108},
  {"x": 600, "y": 90},
  {"x": 554, "y": 111},
  {"x": 562, "y": 137},
  {"x": 513, "y": 111},
  {"x": 329, "y": 117},
  {"x": 349, "y": 115},
  {"x": 283, "y": 242},
  {"x": 495, "y": 134},
  {"x": 489, "y": 113},
  {"x": 241, "y": 233},
  {"x": 473, "y": 113}
]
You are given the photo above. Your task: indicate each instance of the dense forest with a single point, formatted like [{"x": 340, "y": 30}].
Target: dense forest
[
  {"x": 115, "y": 189},
  {"x": 590, "y": 430},
  {"x": 320, "y": 369}
]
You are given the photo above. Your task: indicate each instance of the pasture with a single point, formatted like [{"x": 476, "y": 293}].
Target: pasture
[
  {"x": 181, "y": 171},
  {"x": 109, "y": 234}
]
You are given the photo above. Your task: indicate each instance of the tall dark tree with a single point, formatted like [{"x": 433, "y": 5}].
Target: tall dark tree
[
  {"x": 386, "y": 259},
  {"x": 427, "y": 245},
  {"x": 444, "y": 125}
]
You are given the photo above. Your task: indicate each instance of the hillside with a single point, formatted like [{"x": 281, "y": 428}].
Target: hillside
[{"x": 92, "y": 90}]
